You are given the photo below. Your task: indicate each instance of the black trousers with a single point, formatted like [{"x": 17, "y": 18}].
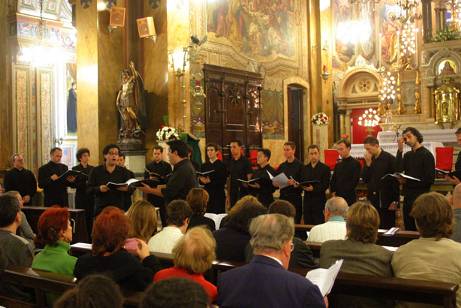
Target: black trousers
[
  {"x": 409, "y": 198},
  {"x": 386, "y": 217},
  {"x": 313, "y": 210},
  {"x": 297, "y": 202}
]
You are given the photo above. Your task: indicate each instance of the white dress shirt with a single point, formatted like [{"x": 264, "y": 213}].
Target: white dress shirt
[
  {"x": 165, "y": 240},
  {"x": 333, "y": 229}
]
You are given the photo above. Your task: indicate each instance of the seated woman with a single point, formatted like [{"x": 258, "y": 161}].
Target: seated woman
[
  {"x": 198, "y": 199},
  {"x": 193, "y": 255},
  {"x": 132, "y": 270},
  {"x": 434, "y": 256},
  {"x": 360, "y": 253},
  {"x": 143, "y": 219},
  {"x": 55, "y": 233},
  {"x": 233, "y": 237}
]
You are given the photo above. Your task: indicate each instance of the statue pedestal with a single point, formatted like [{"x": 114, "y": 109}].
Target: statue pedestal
[
  {"x": 320, "y": 136},
  {"x": 136, "y": 161}
]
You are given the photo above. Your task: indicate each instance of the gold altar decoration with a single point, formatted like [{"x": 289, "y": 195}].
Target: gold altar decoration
[
  {"x": 387, "y": 93},
  {"x": 446, "y": 101},
  {"x": 400, "y": 105},
  {"x": 417, "y": 93}
]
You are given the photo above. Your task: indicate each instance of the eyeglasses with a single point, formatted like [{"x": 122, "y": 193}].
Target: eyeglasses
[{"x": 292, "y": 246}]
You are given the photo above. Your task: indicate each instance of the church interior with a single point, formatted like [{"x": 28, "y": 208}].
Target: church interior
[
  {"x": 218, "y": 70},
  {"x": 277, "y": 75}
]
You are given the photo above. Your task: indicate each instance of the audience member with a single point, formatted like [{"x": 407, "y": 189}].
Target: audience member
[
  {"x": 456, "y": 204},
  {"x": 334, "y": 227},
  {"x": 193, "y": 255},
  {"x": 20, "y": 179},
  {"x": 24, "y": 229},
  {"x": 360, "y": 253},
  {"x": 131, "y": 270},
  {"x": 91, "y": 292},
  {"x": 175, "y": 293},
  {"x": 55, "y": 233},
  {"x": 265, "y": 282},
  {"x": 178, "y": 215},
  {"x": 143, "y": 219},
  {"x": 15, "y": 250},
  {"x": 198, "y": 200},
  {"x": 434, "y": 256},
  {"x": 301, "y": 256},
  {"x": 233, "y": 237}
]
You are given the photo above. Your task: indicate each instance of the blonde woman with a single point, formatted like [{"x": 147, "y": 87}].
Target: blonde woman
[
  {"x": 194, "y": 254},
  {"x": 143, "y": 220}
]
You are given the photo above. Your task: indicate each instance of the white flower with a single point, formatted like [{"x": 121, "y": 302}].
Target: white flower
[
  {"x": 167, "y": 133},
  {"x": 320, "y": 119}
]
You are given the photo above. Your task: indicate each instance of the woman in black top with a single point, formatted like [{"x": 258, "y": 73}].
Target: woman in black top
[
  {"x": 197, "y": 199},
  {"x": 132, "y": 269}
]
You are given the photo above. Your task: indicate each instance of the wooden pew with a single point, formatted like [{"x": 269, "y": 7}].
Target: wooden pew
[
  {"x": 43, "y": 282},
  {"x": 419, "y": 291},
  {"x": 400, "y": 238},
  {"x": 80, "y": 233}
]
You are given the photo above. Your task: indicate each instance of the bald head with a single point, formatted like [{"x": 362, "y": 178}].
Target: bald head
[
  {"x": 335, "y": 206},
  {"x": 457, "y": 197}
]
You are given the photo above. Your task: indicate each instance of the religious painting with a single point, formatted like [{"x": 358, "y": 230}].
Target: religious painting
[
  {"x": 344, "y": 51},
  {"x": 52, "y": 7},
  {"x": 257, "y": 28},
  {"x": 272, "y": 114},
  {"x": 389, "y": 37},
  {"x": 446, "y": 67}
]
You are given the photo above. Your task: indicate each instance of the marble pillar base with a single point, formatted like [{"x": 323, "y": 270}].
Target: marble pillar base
[{"x": 136, "y": 161}]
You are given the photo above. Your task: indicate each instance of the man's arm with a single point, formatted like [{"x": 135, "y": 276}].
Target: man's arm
[{"x": 44, "y": 178}]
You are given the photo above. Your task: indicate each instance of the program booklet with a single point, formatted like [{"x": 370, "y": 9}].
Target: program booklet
[{"x": 324, "y": 278}]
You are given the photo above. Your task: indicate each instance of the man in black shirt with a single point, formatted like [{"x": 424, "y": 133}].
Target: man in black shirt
[
  {"x": 239, "y": 168},
  {"x": 383, "y": 193},
  {"x": 84, "y": 200},
  {"x": 109, "y": 171},
  {"x": 215, "y": 181},
  {"x": 158, "y": 169},
  {"x": 418, "y": 163},
  {"x": 293, "y": 169},
  {"x": 263, "y": 188},
  {"x": 54, "y": 188},
  {"x": 181, "y": 180},
  {"x": 20, "y": 179},
  {"x": 346, "y": 174},
  {"x": 314, "y": 194}
]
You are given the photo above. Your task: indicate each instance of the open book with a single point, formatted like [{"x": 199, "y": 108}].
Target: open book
[
  {"x": 308, "y": 183},
  {"x": 216, "y": 218},
  {"x": 281, "y": 180},
  {"x": 401, "y": 175},
  {"x": 248, "y": 181},
  {"x": 449, "y": 173},
  {"x": 204, "y": 173},
  {"x": 134, "y": 182},
  {"x": 325, "y": 278},
  {"x": 71, "y": 172}
]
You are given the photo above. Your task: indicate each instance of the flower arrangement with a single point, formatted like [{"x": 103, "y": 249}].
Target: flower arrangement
[
  {"x": 167, "y": 133},
  {"x": 320, "y": 119},
  {"x": 446, "y": 35}
]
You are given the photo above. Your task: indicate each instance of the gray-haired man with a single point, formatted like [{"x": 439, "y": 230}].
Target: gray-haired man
[{"x": 334, "y": 227}]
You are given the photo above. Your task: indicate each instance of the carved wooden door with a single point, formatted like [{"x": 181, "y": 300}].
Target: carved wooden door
[{"x": 232, "y": 109}]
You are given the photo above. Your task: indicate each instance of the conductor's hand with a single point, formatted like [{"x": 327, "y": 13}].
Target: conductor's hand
[
  {"x": 103, "y": 188},
  {"x": 254, "y": 185},
  {"x": 400, "y": 143},
  {"x": 204, "y": 179},
  {"x": 54, "y": 177},
  {"x": 145, "y": 188},
  {"x": 71, "y": 179},
  {"x": 308, "y": 188},
  {"x": 453, "y": 180}
]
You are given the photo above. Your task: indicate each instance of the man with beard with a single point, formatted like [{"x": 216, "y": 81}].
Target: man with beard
[{"x": 418, "y": 163}]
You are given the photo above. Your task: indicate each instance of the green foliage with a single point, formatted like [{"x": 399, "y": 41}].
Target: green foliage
[{"x": 446, "y": 35}]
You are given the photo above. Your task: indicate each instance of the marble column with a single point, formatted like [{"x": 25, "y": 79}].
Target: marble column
[
  {"x": 100, "y": 61},
  {"x": 347, "y": 124},
  {"x": 315, "y": 60}
]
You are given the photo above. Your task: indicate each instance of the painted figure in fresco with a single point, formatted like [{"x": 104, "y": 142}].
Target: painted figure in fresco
[{"x": 131, "y": 104}]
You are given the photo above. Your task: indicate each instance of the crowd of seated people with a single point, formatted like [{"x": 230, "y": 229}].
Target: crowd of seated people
[{"x": 263, "y": 238}]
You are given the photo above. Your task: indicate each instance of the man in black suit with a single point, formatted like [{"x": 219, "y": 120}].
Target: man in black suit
[
  {"x": 265, "y": 281},
  {"x": 20, "y": 179}
]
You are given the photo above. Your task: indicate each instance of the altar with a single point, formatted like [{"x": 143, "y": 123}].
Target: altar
[{"x": 357, "y": 150}]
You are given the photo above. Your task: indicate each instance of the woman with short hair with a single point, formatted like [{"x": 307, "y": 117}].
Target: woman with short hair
[
  {"x": 198, "y": 199},
  {"x": 133, "y": 269},
  {"x": 55, "y": 233},
  {"x": 434, "y": 256},
  {"x": 143, "y": 219},
  {"x": 193, "y": 255}
]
